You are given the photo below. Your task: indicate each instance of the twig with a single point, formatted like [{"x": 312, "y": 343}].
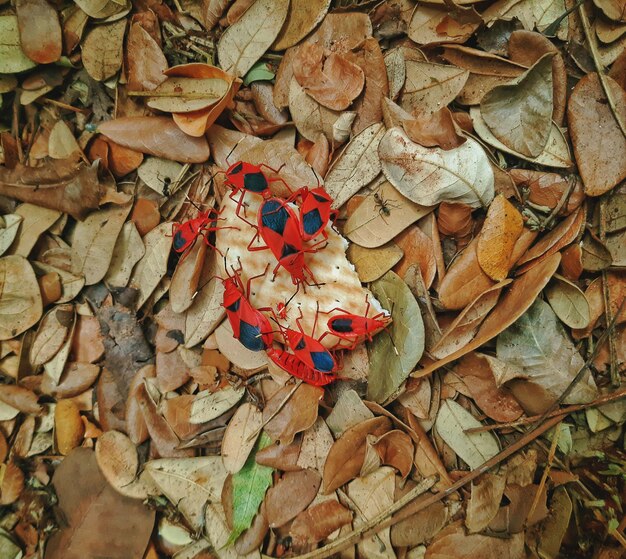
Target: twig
[
  {"x": 546, "y": 472},
  {"x": 599, "y": 67},
  {"x": 556, "y": 413}
]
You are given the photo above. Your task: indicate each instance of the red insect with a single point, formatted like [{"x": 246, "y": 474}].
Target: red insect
[
  {"x": 185, "y": 234},
  {"x": 279, "y": 226},
  {"x": 295, "y": 366},
  {"x": 250, "y": 326},
  {"x": 245, "y": 177},
  {"x": 315, "y": 212},
  {"x": 354, "y": 328}
]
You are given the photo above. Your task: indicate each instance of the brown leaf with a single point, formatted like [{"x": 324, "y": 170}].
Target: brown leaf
[
  {"x": 435, "y": 130},
  {"x": 110, "y": 403},
  {"x": 571, "y": 262},
  {"x": 455, "y": 220},
  {"x": 497, "y": 403},
  {"x": 92, "y": 508},
  {"x": 395, "y": 448},
  {"x": 58, "y": 185},
  {"x": 599, "y": 144},
  {"x": 77, "y": 377},
  {"x": 20, "y": 398},
  {"x": 298, "y": 414},
  {"x": 503, "y": 226},
  {"x": 419, "y": 527},
  {"x": 290, "y": 496},
  {"x": 87, "y": 346},
  {"x": 238, "y": 441},
  {"x": 418, "y": 249},
  {"x": 302, "y": 17},
  {"x": 145, "y": 60},
  {"x": 526, "y": 47},
  {"x": 346, "y": 456},
  {"x": 464, "y": 280},
  {"x": 172, "y": 372},
  {"x": 281, "y": 456},
  {"x": 510, "y": 307},
  {"x": 12, "y": 484},
  {"x": 212, "y": 11},
  {"x": 68, "y": 426},
  {"x": 547, "y": 189},
  {"x": 157, "y": 136},
  {"x": 333, "y": 81},
  {"x": 318, "y": 522},
  {"x": 117, "y": 459},
  {"x": 40, "y": 30},
  {"x": 135, "y": 422},
  {"x": 102, "y": 50}
]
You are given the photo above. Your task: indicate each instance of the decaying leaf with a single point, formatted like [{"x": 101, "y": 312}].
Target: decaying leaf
[
  {"x": 302, "y": 17},
  {"x": 519, "y": 114},
  {"x": 90, "y": 505},
  {"x": 592, "y": 124},
  {"x": 568, "y": 302},
  {"x": 431, "y": 175},
  {"x": 238, "y": 443},
  {"x": 102, "y": 50},
  {"x": 245, "y": 41},
  {"x": 389, "y": 369}
]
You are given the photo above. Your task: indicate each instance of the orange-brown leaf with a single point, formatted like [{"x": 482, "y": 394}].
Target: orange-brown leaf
[
  {"x": 496, "y": 240},
  {"x": 434, "y": 130},
  {"x": 318, "y": 522}
]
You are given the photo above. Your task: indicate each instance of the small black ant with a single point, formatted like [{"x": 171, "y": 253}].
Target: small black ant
[{"x": 384, "y": 205}]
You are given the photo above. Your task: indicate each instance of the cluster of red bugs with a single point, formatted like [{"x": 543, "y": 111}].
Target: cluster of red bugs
[{"x": 284, "y": 231}]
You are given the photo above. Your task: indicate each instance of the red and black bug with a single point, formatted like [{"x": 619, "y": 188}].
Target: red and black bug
[
  {"x": 295, "y": 366},
  {"x": 278, "y": 225},
  {"x": 186, "y": 233},
  {"x": 245, "y": 177},
  {"x": 315, "y": 212},
  {"x": 354, "y": 328},
  {"x": 250, "y": 326}
]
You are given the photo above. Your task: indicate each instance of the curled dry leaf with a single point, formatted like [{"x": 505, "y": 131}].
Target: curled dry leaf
[
  {"x": 20, "y": 398},
  {"x": 209, "y": 405},
  {"x": 434, "y": 130},
  {"x": 318, "y": 522},
  {"x": 334, "y": 81},
  {"x": 12, "y": 485},
  {"x": 395, "y": 448},
  {"x": 90, "y": 506},
  {"x": 357, "y": 165},
  {"x": 290, "y": 496},
  {"x": 503, "y": 226},
  {"x": 418, "y": 249},
  {"x": 244, "y": 42},
  {"x": 547, "y": 189},
  {"x": 473, "y": 448},
  {"x": 77, "y": 377},
  {"x": 346, "y": 456},
  {"x": 157, "y": 136},
  {"x": 102, "y": 50},
  {"x": 431, "y": 175},
  {"x": 94, "y": 241},
  {"x": 454, "y": 220},
  {"x": 238, "y": 441},
  {"x": 592, "y": 124},
  {"x": 519, "y": 114},
  {"x": 297, "y": 414},
  {"x": 381, "y": 216},
  {"x": 51, "y": 334},
  {"x": 68, "y": 426},
  {"x": 59, "y": 185},
  {"x": 128, "y": 250},
  {"x": 20, "y": 297}
]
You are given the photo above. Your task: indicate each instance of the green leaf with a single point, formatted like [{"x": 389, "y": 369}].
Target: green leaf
[
  {"x": 259, "y": 72},
  {"x": 519, "y": 114},
  {"x": 12, "y": 57},
  {"x": 249, "y": 487},
  {"x": 538, "y": 345},
  {"x": 475, "y": 448},
  {"x": 388, "y": 370}
]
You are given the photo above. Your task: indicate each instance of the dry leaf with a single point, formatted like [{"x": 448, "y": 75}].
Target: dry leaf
[
  {"x": 245, "y": 41},
  {"x": 290, "y": 496},
  {"x": 333, "y": 82},
  {"x": 431, "y": 175},
  {"x": 302, "y": 17},
  {"x": 20, "y": 298},
  {"x": 145, "y": 60},
  {"x": 94, "y": 241},
  {"x": 592, "y": 124},
  {"x": 318, "y": 522},
  {"x": 357, "y": 165},
  {"x": 102, "y": 50},
  {"x": 157, "y": 136},
  {"x": 519, "y": 114},
  {"x": 373, "y": 263},
  {"x": 503, "y": 226},
  {"x": 68, "y": 426},
  {"x": 434, "y": 130},
  {"x": 40, "y": 31},
  {"x": 346, "y": 456},
  {"x": 117, "y": 458},
  {"x": 90, "y": 506},
  {"x": 238, "y": 441}
]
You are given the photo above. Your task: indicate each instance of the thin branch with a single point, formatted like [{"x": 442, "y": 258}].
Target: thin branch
[{"x": 599, "y": 67}]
